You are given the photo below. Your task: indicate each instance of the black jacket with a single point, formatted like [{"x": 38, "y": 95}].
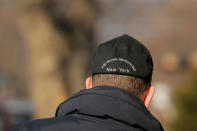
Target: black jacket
[{"x": 98, "y": 109}]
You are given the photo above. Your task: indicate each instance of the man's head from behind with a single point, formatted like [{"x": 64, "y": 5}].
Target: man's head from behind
[{"x": 125, "y": 63}]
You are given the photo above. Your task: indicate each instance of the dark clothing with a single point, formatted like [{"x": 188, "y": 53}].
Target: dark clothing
[{"x": 98, "y": 109}]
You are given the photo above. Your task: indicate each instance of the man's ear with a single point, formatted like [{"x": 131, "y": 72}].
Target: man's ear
[
  {"x": 89, "y": 83},
  {"x": 148, "y": 96}
]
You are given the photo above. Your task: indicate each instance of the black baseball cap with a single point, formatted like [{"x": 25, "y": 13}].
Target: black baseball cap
[{"x": 123, "y": 55}]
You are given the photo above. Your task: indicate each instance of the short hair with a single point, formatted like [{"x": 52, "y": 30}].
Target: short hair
[{"x": 132, "y": 84}]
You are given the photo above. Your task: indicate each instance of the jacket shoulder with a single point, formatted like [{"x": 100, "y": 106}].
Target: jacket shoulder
[{"x": 62, "y": 123}]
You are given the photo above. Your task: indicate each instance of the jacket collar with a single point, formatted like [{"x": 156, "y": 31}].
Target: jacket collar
[{"x": 109, "y": 101}]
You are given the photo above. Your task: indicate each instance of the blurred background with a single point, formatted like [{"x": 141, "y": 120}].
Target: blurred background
[{"x": 46, "y": 48}]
